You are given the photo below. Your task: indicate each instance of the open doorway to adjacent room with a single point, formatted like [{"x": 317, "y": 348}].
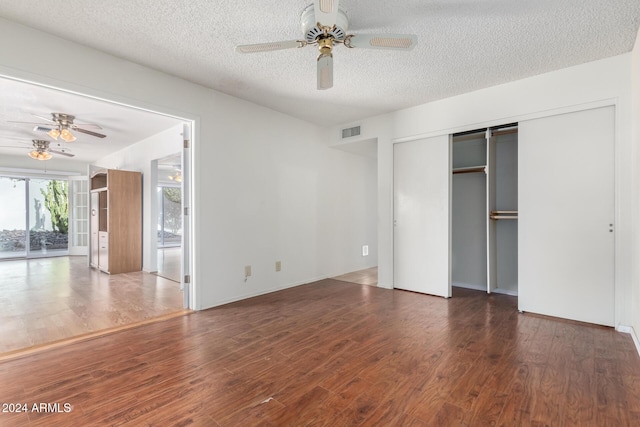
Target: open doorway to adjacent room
[{"x": 49, "y": 293}]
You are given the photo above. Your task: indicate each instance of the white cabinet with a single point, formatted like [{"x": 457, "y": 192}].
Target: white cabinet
[
  {"x": 95, "y": 206},
  {"x": 103, "y": 250}
]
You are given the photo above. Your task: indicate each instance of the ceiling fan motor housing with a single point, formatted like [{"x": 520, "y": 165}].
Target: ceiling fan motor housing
[
  {"x": 63, "y": 119},
  {"x": 312, "y": 31}
]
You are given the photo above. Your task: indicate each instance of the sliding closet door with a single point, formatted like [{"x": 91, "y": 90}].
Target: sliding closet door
[
  {"x": 566, "y": 212},
  {"x": 422, "y": 174}
]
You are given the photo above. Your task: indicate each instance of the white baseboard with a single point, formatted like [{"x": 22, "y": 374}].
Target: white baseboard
[
  {"x": 629, "y": 330},
  {"x": 263, "y": 292}
]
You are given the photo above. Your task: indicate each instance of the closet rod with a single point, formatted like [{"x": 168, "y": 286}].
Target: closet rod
[
  {"x": 472, "y": 169},
  {"x": 503, "y": 217}
]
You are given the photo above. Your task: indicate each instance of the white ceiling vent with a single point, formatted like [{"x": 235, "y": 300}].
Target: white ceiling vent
[{"x": 354, "y": 131}]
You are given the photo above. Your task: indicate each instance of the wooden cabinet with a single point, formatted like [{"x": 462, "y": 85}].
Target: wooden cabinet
[{"x": 116, "y": 221}]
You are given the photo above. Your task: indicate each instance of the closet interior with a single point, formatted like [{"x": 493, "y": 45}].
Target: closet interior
[{"x": 484, "y": 209}]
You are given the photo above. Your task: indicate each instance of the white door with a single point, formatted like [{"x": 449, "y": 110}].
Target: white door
[
  {"x": 422, "y": 176},
  {"x": 78, "y": 206},
  {"x": 566, "y": 212}
]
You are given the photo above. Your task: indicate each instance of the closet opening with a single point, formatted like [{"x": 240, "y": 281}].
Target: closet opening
[{"x": 484, "y": 209}]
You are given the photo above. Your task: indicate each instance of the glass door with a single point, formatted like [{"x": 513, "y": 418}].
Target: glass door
[
  {"x": 170, "y": 216},
  {"x": 34, "y": 217},
  {"x": 78, "y": 215},
  {"x": 13, "y": 218},
  {"x": 48, "y": 217}
]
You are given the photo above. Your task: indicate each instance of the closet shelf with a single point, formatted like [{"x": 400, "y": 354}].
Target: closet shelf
[
  {"x": 503, "y": 215},
  {"x": 472, "y": 169}
]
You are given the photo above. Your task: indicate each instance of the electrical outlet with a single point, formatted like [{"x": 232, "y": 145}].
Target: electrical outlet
[
  {"x": 247, "y": 270},
  {"x": 365, "y": 250},
  {"x": 278, "y": 265}
]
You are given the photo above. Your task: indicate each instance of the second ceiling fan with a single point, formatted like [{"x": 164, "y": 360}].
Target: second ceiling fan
[
  {"x": 61, "y": 125},
  {"x": 324, "y": 24}
]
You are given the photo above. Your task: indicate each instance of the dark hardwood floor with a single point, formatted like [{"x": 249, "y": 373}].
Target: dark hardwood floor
[{"x": 337, "y": 354}]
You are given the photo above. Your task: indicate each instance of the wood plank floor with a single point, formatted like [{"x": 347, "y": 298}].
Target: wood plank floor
[
  {"x": 169, "y": 263},
  {"x": 49, "y": 299},
  {"x": 338, "y": 354}
]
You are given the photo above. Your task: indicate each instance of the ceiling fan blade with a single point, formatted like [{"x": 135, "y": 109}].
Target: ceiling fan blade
[
  {"x": 382, "y": 41},
  {"x": 28, "y": 123},
  {"x": 268, "y": 47},
  {"x": 325, "y": 72},
  {"x": 44, "y": 118},
  {"x": 86, "y": 125},
  {"x": 326, "y": 12},
  {"x": 41, "y": 128},
  {"x": 13, "y": 146},
  {"x": 89, "y": 132},
  {"x": 62, "y": 153}
]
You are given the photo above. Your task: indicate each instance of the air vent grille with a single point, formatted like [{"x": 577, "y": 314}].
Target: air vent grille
[{"x": 354, "y": 131}]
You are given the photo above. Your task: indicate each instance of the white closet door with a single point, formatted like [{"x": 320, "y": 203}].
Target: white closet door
[
  {"x": 422, "y": 176},
  {"x": 566, "y": 207}
]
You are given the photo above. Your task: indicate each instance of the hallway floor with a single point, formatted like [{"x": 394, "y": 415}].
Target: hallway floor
[{"x": 50, "y": 299}]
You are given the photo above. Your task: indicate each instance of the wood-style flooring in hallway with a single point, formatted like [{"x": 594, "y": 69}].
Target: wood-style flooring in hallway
[{"x": 45, "y": 300}]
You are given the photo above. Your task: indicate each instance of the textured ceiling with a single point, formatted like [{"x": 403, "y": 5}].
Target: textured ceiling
[{"x": 463, "y": 45}]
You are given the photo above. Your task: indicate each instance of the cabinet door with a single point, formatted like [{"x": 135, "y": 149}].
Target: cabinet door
[
  {"x": 422, "y": 179},
  {"x": 95, "y": 224},
  {"x": 566, "y": 211},
  {"x": 103, "y": 250}
]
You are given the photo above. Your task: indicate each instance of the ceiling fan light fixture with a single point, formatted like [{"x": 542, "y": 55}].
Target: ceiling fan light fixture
[
  {"x": 39, "y": 155},
  {"x": 325, "y": 24},
  {"x": 177, "y": 176},
  {"x": 54, "y": 133},
  {"x": 67, "y": 136}
]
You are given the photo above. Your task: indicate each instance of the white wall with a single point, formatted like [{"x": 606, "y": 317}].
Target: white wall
[
  {"x": 266, "y": 186},
  {"x": 138, "y": 157},
  {"x": 635, "y": 92},
  {"x": 603, "y": 82}
]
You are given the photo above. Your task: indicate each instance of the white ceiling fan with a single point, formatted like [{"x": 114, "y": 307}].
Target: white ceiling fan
[
  {"x": 61, "y": 125},
  {"x": 324, "y": 24}
]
